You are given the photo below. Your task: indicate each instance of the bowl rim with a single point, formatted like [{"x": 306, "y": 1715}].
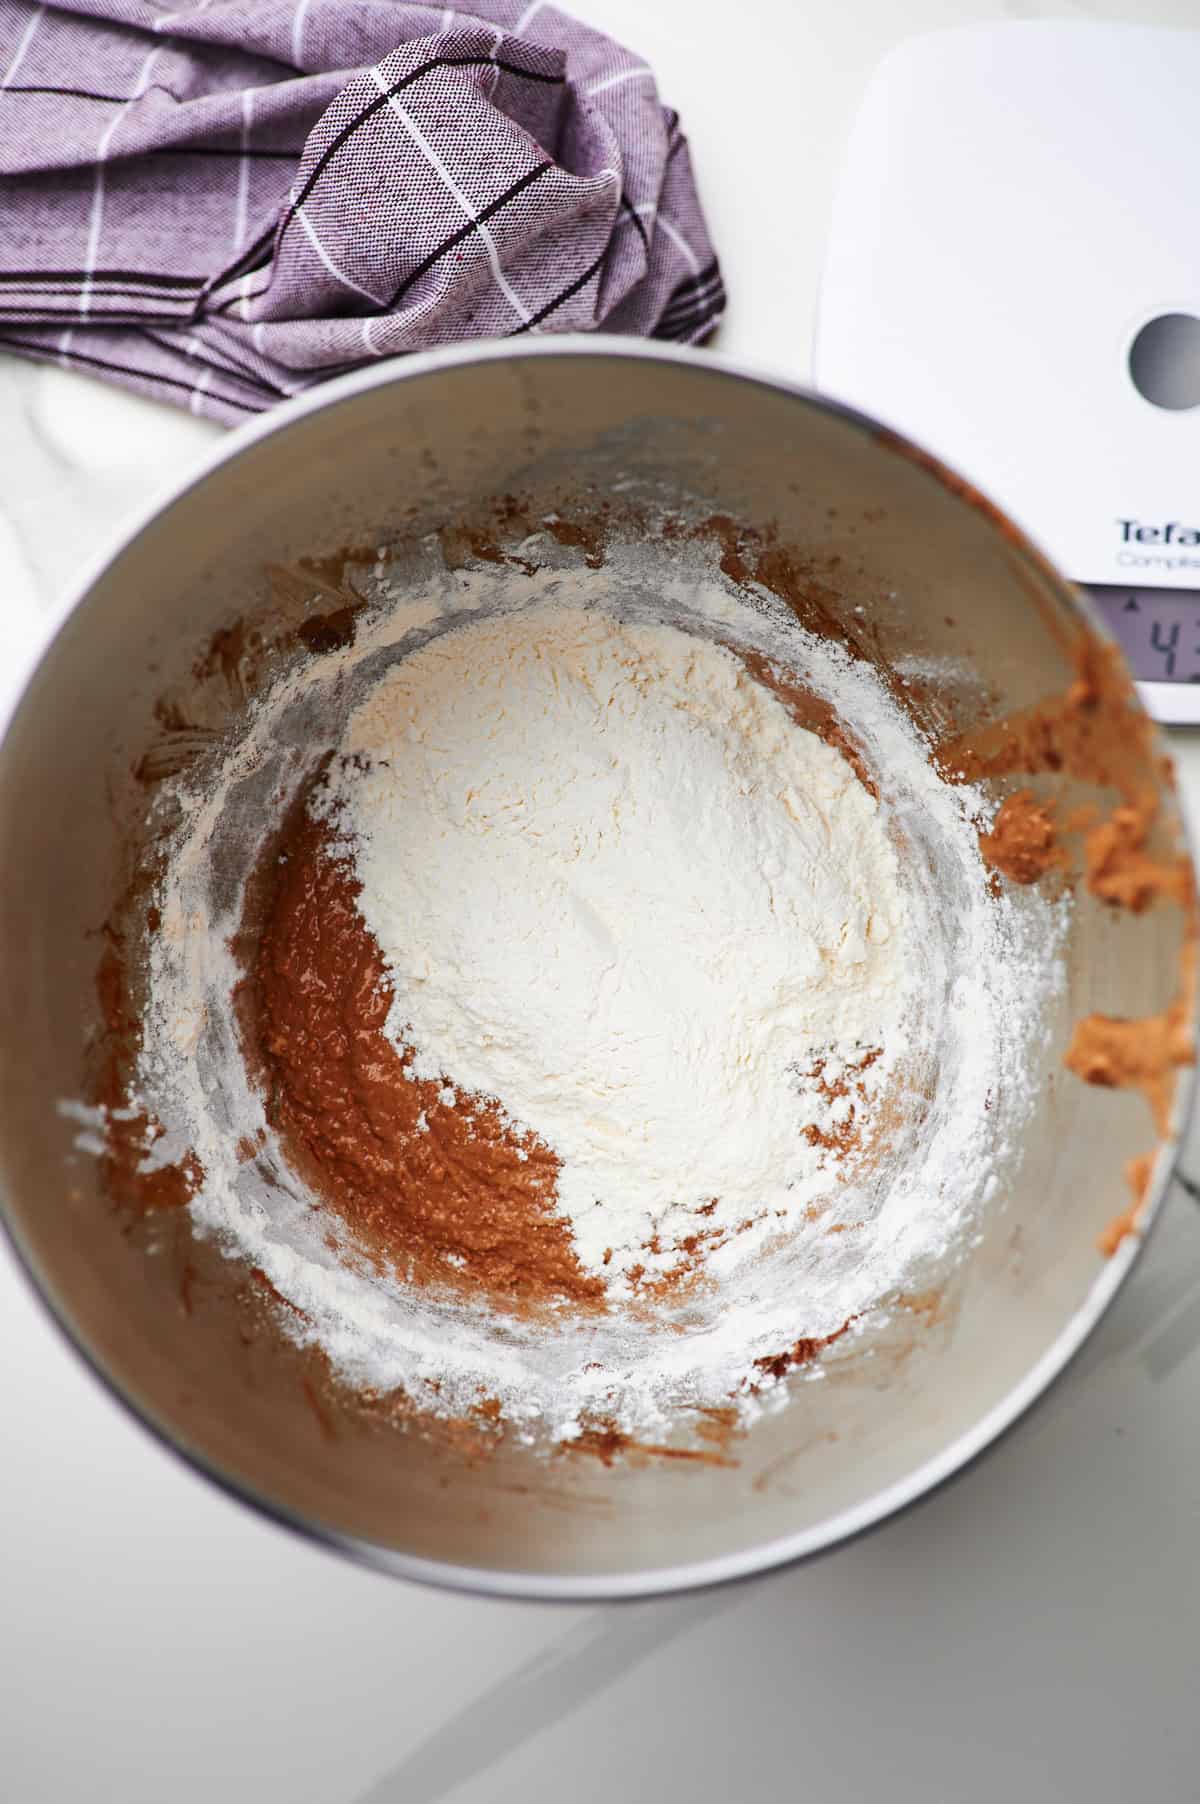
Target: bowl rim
[{"x": 845, "y": 1525}]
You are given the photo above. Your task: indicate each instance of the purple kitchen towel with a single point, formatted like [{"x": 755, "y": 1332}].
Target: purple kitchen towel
[{"x": 222, "y": 202}]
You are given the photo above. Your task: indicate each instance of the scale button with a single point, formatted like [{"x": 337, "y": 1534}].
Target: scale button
[{"x": 1164, "y": 361}]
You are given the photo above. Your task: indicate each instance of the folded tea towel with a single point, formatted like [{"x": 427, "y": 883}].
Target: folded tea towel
[{"x": 222, "y": 202}]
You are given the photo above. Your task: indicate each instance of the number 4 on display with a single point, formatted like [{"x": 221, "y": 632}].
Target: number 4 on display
[{"x": 1165, "y": 645}]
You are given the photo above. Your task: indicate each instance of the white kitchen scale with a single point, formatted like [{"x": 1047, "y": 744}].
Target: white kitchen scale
[{"x": 1013, "y": 280}]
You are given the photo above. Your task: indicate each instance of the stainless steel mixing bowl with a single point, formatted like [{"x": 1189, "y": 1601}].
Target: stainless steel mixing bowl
[{"x": 420, "y": 444}]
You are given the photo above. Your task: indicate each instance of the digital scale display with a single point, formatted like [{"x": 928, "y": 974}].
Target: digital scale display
[{"x": 1159, "y": 632}]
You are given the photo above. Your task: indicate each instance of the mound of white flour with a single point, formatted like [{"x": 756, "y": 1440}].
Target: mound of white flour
[{"x": 622, "y": 892}]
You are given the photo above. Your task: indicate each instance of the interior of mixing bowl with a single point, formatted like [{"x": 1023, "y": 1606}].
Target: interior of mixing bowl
[{"x": 880, "y": 537}]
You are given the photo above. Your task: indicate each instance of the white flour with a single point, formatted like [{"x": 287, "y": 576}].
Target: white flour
[{"x": 622, "y": 892}]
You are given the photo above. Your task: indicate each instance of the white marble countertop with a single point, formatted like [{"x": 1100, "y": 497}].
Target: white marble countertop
[{"x": 1028, "y": 1632}]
